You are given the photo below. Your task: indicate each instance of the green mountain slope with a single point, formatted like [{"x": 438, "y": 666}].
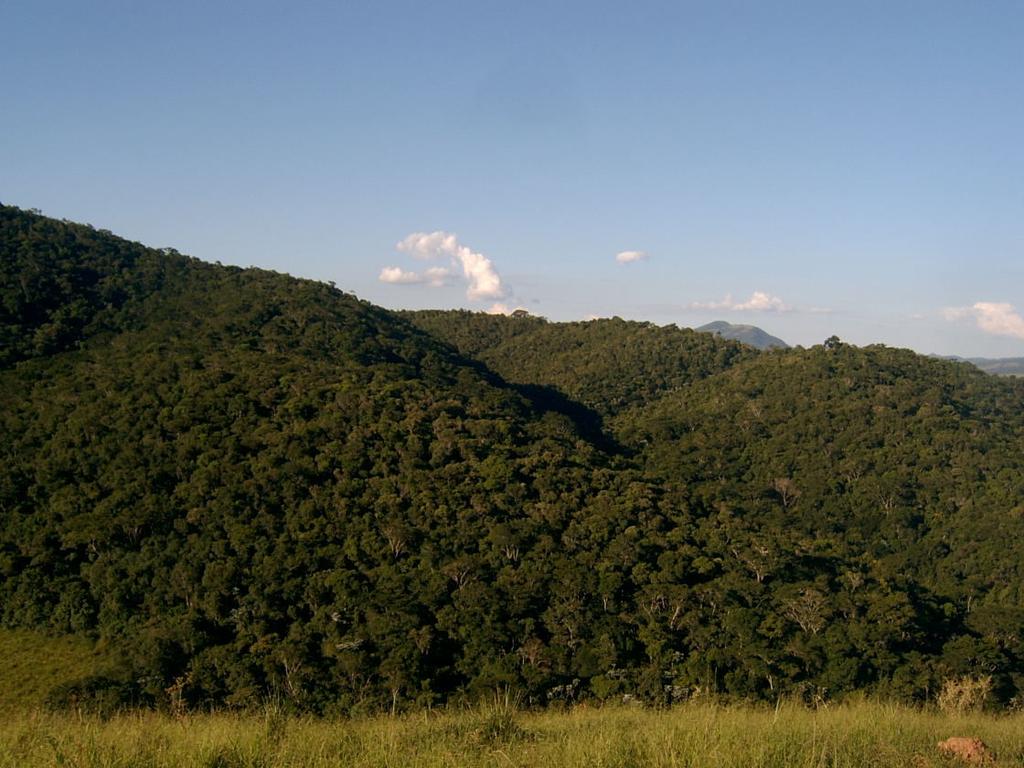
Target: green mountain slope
[
  {"x": 914, "y": 461},
  {"x": 608, "y": 365},
  {"x": 841, "y": 469},
  {"x": 249, "y": 485},
  {"x": 64, "y": 283},
  {"x": 254, "y": 483}
]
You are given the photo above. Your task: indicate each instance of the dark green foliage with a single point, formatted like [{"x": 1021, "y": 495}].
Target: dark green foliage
[
  {"x": 887, "y": 485},
  {"x": 916, "y": 461},
  {"x": 608, "y": 365},
  {"x": 253, "y": 485},
  {"x": 96, "y": 695},
  {"x": 63, "y": 283},
  {"x": 263, "y": 485}
]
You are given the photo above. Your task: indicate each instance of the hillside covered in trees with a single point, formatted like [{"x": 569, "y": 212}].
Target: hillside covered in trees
[
  {"x": 606, "y": 365},
  {"x": 253, "y": 485}
]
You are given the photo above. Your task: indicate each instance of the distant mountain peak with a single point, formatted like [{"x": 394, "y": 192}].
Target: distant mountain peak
[{"x": 747, "y": 334}]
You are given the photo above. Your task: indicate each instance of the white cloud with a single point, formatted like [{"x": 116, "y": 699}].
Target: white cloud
[
  {"x": 398, "y": 275},
  {"x": 433, "y": 245},
  {"x": 501, "y": 308},
  {"x": 759, "y": 301},
  {"x": 997, "y": 318},
  {"x": 435, "y": 277},
  {"x": 483, "y": 279},
  {"x": 762, "y": 302},
  {"x": 628, "y": 257}
]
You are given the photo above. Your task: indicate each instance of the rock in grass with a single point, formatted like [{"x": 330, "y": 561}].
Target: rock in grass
[{"x": 968, "y": 750}]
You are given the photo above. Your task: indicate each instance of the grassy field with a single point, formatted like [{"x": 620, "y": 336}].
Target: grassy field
[
  {"x": 496, "y": 734},
  {"x": 693, "y": 735},
  {"x": 31, "y": 664}
]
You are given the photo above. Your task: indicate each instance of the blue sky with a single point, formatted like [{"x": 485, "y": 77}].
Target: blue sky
[{"x": 813, "y": 168}]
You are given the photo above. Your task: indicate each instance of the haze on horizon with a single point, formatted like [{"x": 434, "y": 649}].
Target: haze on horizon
[{"x": 808, "y": 168}]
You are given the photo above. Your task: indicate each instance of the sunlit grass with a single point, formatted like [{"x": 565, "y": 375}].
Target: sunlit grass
[
  {"x": 698, "y": 734},
  {"x": 496, "y": 733},
  {"x": 32, "y": 664}
]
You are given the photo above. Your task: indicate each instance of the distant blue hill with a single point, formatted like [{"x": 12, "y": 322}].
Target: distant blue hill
[
  {"x": 998, "y": 366},
  {"x": 747, "y": 334}
]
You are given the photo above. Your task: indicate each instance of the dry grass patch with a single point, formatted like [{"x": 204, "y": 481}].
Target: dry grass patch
[{"x": 704, "y": 735}]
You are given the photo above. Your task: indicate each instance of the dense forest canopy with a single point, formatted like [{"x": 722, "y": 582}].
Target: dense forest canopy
[
  {"x": 607, "y": 365},
  {"x": 253, "y": 485}
]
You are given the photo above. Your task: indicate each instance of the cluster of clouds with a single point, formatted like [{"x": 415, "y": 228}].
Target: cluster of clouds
[
  {"x": 759, "y": 301},
  {"x": 461, "y": 264},
  {"x": 483, "y": 282},
  {"x": 481, "y": 278},
  {"x": 997, "y": 318}
]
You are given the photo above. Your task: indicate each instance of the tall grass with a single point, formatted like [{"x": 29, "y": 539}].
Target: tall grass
[{"x": 496, "y": 734}]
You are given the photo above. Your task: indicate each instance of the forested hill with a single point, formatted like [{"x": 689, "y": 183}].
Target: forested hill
[
  {"x": 248, "y": 485},
  {"x": 253, "y": 483},
  {"x": 608, "y": 365},
  {"x": 915, "y": 463},
  {"x": 64, "y": 283}
]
